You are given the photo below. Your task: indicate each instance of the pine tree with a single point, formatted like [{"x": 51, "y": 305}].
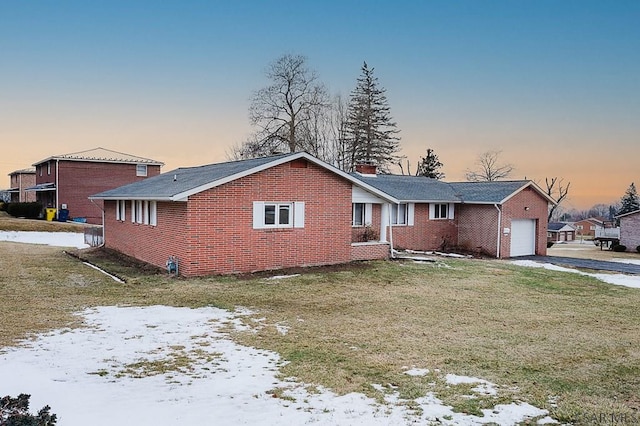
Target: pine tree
[
  {"x": 370, "y": 131},
  {"x": 629, "y": 201},
  {"x": 430, "y": 165}
]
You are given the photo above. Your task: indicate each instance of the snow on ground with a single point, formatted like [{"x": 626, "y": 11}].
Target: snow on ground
[
  {"x": 631, "y": 261},
  {"x": 163, "y": 365},
  {"x": 58, "y": 239},
  {"x": 617, "y": 279}
]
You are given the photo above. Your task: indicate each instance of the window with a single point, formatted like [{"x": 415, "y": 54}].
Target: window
[
  {"x": 278, "y": 215},
  {"x": 49, "y": 168},
  {"x": 579, "y": 227},
  {"x": 120, "y": 210},
  {"x": 399, "y": 214},
  {"x": 142, "y": 212},
  {"x": 441, "y": 211},
  {"x": 592, "y": 227},
  {"x": 358, "y": 214},
  {"x": 141, "y": 169}
]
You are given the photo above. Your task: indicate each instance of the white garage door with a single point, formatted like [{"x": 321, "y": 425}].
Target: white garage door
[{"x": 523, "y": 237}]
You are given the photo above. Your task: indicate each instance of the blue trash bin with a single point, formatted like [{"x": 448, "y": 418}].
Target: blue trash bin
[{"x": 63, "y": 215}]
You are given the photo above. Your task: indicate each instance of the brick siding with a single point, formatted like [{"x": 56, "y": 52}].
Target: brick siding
[
  {"x": 425, "y": 233},
  {"x": 514, "y": 208},
  {"x": 369, "y": 251},
  {"x": 630, "y": 231},
  {"x": 213, "y": 232},
  {"x": 80, "y": 179}
]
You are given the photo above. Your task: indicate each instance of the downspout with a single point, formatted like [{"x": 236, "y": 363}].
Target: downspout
[
  {"x": 499, "y": 230},
  {"x": 390, "y": 231},
  {"x": 57, "y": 186}
]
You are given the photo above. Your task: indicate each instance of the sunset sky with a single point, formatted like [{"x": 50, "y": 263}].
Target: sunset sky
[{"x": 554, "y": 85}]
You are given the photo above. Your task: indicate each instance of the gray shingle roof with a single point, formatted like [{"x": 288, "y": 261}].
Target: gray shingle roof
[
  {"x": 411, "y": 188},
  {"x": 486, "y": 192},
  {"x": 164, "y": 186},
  {"x": 417, "y": 188}
]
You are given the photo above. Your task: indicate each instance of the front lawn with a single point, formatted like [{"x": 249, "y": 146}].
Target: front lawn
[{"x": 559, "y": 341}]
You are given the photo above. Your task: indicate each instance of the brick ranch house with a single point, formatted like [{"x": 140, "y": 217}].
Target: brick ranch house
[
  {"x": 630, "y": 230},
  {"x": 66, "y": 181},
  {"x": 20, "y": 180},
  {"x": 295, "y": 210}
]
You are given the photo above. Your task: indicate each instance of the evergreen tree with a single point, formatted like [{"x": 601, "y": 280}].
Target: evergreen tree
[
  {"x": 629, "y": 201},
  {"x": 430, "y": 165},
  {"x": 370, "y": 131}
]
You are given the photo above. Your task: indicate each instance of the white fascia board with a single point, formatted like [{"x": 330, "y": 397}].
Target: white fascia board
[
  {"x": 627, "y": 214},
  {"x": 526, "y": 185},
  {"x": 129, "y": 198}
]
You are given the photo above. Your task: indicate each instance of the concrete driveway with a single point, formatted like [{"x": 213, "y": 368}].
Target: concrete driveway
[{"x": 598, "y": 265}]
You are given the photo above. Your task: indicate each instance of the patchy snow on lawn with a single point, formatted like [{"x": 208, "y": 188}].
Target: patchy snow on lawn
[
  {"x": 162, "y": 365},
  {"x": 57, "y": 239},
  {"x": 630, "y": 261},
  {"x": 616, "y": 279}
]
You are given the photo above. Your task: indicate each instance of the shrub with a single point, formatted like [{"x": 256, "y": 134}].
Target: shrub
[
  {"x": 28, "y": 210},
  {"x": 638, "y": 249},
  {"x": 549, "y": 244},
  {"x": 368, "y": 234},
  {"x": 619, "y": 248},
  {"x": 15, "y": 412}
]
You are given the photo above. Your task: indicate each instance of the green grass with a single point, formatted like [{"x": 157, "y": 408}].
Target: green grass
[{"x": 540, "y": 335}]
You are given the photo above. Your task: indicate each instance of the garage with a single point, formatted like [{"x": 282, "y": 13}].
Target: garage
[{"x": 523, "y": 237}]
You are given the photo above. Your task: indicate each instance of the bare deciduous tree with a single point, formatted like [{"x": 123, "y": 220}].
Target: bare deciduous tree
[
  {"x": 288, "y": 111},
  {"x": 556, "y": 190},
  {"x": 488, "y": 168}
]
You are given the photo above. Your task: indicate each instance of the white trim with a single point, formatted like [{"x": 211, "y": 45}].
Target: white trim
[
  {"x": 411, "y": 213},
  {"x": 298, "y": 214},
  {"x": 133, "y": 211},
  {"x": 368, "y": 214},
  {"x": 153, "y": 213},
  {"x": 450, "y": 211},
  {"x": 258, "y": 214},
  {"x": 535, "y": 187}
]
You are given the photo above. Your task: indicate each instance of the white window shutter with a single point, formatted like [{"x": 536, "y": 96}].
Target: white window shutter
[
  {"x": 133, "y": 211},
  {"x": 411, "y": 212},
  {"x": 432, "y": 211},
  {"x": 298, "y": 214},
  {"x": 153, "y": 213},
  {"x": 450, "y": 210},
  {"x": 368, "y": 214},
  {"x": 258, "y": 214},
  {"x": 118, "y": 210}
]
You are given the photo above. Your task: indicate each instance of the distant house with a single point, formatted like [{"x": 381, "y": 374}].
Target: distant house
[
  {"x": 20, "y": 181},
  {"x": 630, "y": 230},
  {"x": 558, "y": 232},
  {"x": 588, "y": 227},
  {"x": 67, "y": 180},
  {"x": 295, "y": 210}
]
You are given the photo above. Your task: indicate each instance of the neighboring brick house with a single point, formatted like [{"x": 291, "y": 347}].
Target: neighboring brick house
[
  {"x": 20, "y": 181},
  {"x": 66, "y": 181},
  {"x": 295, "y": 210},
  {"x": 558, "y": 232},
  {"x": 588, "y": 227},
  {"x": 630, "y": 230}
]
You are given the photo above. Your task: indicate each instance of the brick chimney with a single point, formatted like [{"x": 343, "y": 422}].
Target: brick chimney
[{"x": 366, "y": 169}]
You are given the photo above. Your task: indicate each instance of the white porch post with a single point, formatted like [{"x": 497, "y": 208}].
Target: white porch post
[{"x": 384, "y": 221}]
